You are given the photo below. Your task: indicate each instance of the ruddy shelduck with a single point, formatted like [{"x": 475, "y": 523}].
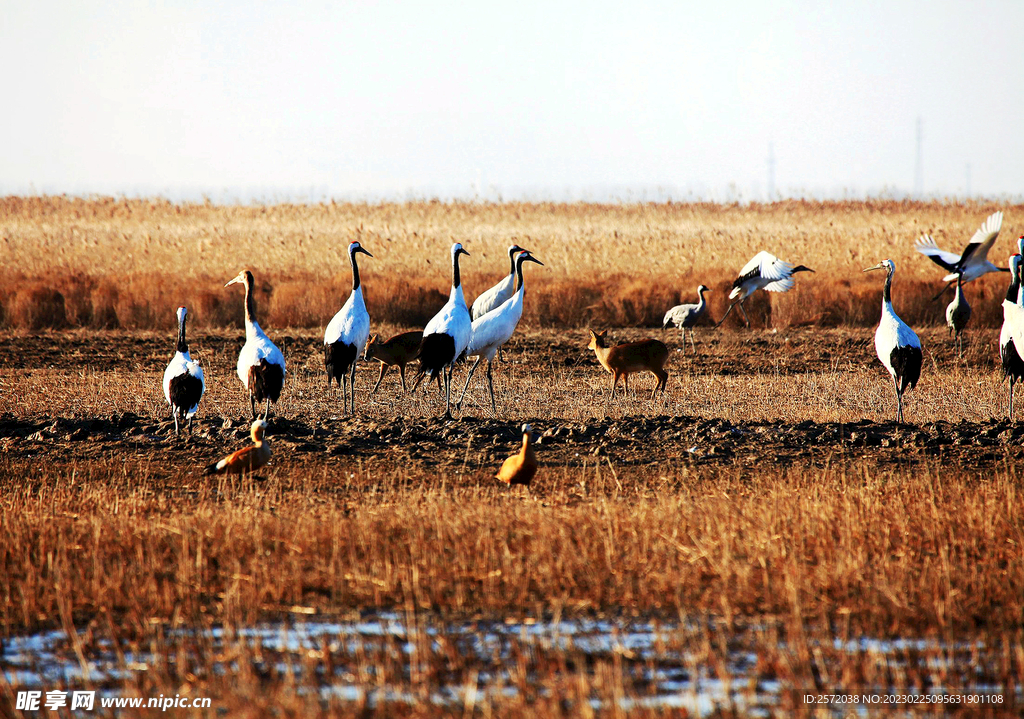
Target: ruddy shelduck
[
  {"x": 246, "y": 460},
  {"x": 522, "y": 466}
]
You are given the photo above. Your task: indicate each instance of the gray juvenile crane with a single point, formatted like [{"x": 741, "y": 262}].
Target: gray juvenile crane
[
  {"x": 686, "y": 316},
  {"x": 958, "y": 313}
]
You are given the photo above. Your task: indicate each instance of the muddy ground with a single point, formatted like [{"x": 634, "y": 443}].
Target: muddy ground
[{"x": 654, "y": 438}]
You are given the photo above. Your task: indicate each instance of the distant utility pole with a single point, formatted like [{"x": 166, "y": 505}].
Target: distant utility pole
[
  {"x": 919, "y": 162},
  {"x": 771, "y": 172}
]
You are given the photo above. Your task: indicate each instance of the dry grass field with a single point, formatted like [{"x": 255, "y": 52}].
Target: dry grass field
[
  {"x": 129, "y": 263},
  {"x": 764, "y": 533}
]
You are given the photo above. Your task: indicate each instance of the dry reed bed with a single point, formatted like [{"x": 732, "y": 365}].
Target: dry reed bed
[
  {"x": 880, "y": 551},
  {"x": 128, "y": 263}
]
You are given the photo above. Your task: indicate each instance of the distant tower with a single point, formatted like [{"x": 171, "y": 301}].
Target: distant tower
[
  {"x": 771, "y": 172},
  {"x": 919, "y": 163}
]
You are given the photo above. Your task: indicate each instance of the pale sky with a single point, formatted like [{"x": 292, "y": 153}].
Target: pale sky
[{"x": 537, "y": 100}]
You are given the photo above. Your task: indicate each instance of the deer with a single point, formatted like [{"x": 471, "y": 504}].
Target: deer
[
  {"x": 398, "y": 351},
  {"x": 622, "y": 360}
]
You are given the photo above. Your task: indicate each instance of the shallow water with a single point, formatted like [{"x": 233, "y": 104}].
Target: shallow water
[{"x": 383, "y": 658}]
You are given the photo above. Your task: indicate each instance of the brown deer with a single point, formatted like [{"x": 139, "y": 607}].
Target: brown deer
[
  {"x": 398, "y": 351},
  {"x": 647, "y": 355}
]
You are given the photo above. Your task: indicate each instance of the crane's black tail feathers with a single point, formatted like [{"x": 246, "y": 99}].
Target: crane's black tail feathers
[
  {"x": 338, "y": 359},
  {"x": 907, "y": 363},
  {"x": 436, "y": 352},
  {"x": 266, "y": 381}
]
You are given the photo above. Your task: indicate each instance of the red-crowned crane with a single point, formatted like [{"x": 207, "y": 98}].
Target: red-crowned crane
[
  {"x": 184, "y": 383},
  {"x": 896, "y": 344},
  {"x": 447, "y": 334},
  {"x": 1012, "y": 332},
  {"x": 686, "y": 317},
  {"x": 494, "y": 297},
  {"x": 764, "y": 271},
  {"x": 345, "y": 338},
  {"x": 260, "y": 362},
  {"x": 973, "y": 262},
  {"x": 492, "y": 330}
]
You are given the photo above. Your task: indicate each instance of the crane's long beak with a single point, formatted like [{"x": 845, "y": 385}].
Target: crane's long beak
[
  {"x": 531, "y": 258},
  {"x": 365, "y": 252},
  {"x": 879, "y": 266},
  {"x": 240, "y": 278}
]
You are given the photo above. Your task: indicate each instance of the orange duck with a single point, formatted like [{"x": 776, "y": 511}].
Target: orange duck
[{"x": 520, "y": 467}]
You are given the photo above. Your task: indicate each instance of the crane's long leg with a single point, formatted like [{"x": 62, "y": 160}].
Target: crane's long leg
[
  {"x": 472, "y": 369},
  {"x": 726, "y": 314},
  {"x": 899, "y": 400},
  {"x": 401, "y": 373},
  {"x": 943, "y": 290},
  {"x": 447, "y": 372},
  {"x": 190, "y": 425},
  {"x": 691, "y": 342},
  {"x": 745, "y": 318},
  {"x": 352, "y": 385},
  {"x": 490, "y": 387},
  {"x": 266, "y": 412},
  {"x": 1010, "y": 411},
  {"x": 252, "y": 405},
  {"x": 174, "y": 413}
]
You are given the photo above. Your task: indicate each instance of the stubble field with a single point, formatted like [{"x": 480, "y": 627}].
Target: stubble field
[{"x": 763, "y": 533}]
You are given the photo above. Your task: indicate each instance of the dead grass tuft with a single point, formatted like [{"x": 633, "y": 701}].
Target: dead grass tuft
[{"x": 37, "y": 306}]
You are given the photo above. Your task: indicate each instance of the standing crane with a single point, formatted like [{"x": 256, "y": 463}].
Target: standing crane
[
  {"x": 492, "y": 330},
  {"x": 184, "y": 383},
  {"x": 260, "y": 363},
  {"x": 764, "y": 271},
  {"x": 345, "y": 338},
  {"x": 897, "y": 345},
  {"x": 1012, "y": 331},
  {"x": 958, "y": 313},
  {"x": 447, "y": 334},
  {"x": 496, "y": 296},
  {"x": 973, "y": 262},
  {"x": 686, "y": 316}
]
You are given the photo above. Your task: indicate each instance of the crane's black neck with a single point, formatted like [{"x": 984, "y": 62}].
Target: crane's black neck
[
  {"x": 519, "y": 271},
  {"x": 1011, "y": 293},
  {"x": 512, "y": 260},
  {"x": 456, "y": 277},
  {"x": 355, "y": 270},
  {"x": 182, "y": 344},
  {"x": 886, "y": 291}
]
